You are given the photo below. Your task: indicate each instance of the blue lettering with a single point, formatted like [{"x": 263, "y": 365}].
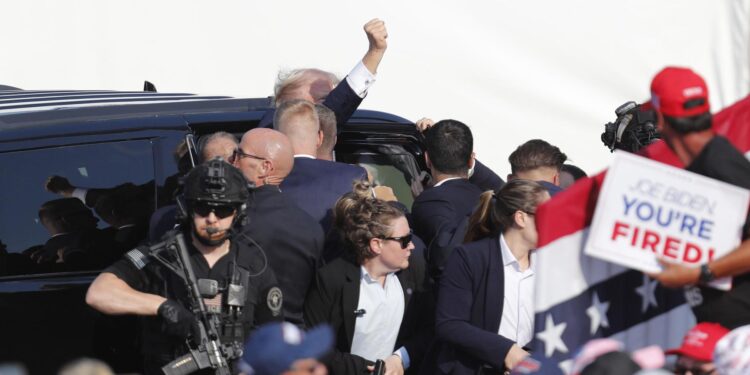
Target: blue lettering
[
  {"x": 628, "y": 204},
  {"x": 688, "y": 222},
  {"x": 704, "y": 229},
  {"x": 649, "y": 211},
  {"x": 660, "y": 220}
]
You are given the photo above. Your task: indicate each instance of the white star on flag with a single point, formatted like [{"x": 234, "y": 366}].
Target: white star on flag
[
  {"x": 646, "y": 291},
  {"x": 597, "y": 312},
  {"x": 552, "y": 337}
]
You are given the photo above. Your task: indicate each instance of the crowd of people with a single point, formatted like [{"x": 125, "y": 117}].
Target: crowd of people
[{"x": 285, "y": 233}]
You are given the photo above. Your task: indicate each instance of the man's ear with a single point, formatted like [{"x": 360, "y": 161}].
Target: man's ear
[
  {"x": 320, "y": 139},
  {"x": 511, "y": 176},
  {"x": 427, "y": 160},
  {"x": 556, "y": 178},
  {"x": 472, "y": 160}
]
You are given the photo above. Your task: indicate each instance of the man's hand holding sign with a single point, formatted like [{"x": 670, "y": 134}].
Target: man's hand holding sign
[{"x": 651, "y": 215}]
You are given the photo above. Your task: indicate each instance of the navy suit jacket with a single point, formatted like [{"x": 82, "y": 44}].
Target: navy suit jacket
[
  {"x": 485, "y": 178},
  {"x": 442, "y": 208},
  {"x": 342, "y": 100},
  {"x": 315, "y": 186},
  {"x": 469, "y": 308}
]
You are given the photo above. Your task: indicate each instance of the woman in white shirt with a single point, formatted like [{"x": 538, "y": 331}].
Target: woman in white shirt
[{"x": 485, "y": 312}]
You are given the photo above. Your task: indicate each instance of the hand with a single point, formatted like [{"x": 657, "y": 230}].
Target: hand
[
  {"x": 59, "y": 185},
  {"x": 424, "y": 123},
  {"x": 177, "y": 320},
  {"x": 674, "y": 275},
  {"x": 394, "y": 365},
  {"x": 515, "y": 356},
  {"x": 385, "y": 193},
  {"x": 376, "y": 34}
]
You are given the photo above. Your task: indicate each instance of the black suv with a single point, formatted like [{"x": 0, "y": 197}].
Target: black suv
[{"x": 107, "y": 139}]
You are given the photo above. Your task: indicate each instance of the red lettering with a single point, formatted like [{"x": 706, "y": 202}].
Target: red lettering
[
  {"x": 619, "y": 230},
  {"x": 650, "y": 240},
  {"x": 693, "y": 253},
  {"x": 710, "y": 254},
  {"x": 635, "y": 236},
  {"x": 670, "y": 247}
]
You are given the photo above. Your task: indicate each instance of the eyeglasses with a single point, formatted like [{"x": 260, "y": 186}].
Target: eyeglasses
[
  {"x": 239, "y": 154},
  {"x": 204, "y": 209},
  {"x": 403, "y": 240}
]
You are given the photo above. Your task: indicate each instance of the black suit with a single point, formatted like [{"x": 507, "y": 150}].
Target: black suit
[
  {"x": 342, "y": 100},
  {"x": 291, "y": 239},
  {"x": 335, "y": 296},
  {"x": 484, "y": 178},
  {"x": 440, "y": 215},
  {"x": 315, "y": 185}
]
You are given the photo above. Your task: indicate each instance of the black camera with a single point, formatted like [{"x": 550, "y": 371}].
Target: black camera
[{"x": 633, "y": 129}]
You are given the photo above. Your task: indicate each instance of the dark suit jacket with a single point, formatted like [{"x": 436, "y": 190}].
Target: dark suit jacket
[
  {"x": 335, "y": 296},
  {"x": 484, "y": 178},
  {"x": 469, "y": 308},
  {"x": 342, "y": 100},
  {"x": 315, "y": 186},
  {"x": 439, "y": 213},
  {"x": 292, "y": 241}
]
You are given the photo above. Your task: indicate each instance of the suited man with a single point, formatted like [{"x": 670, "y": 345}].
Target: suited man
[
  {"x": 292, "y": 239},
  {"x": 318, "y": 86},
  {"x": 313, "y": 184},
  {"x": 441, "y": 209},
  {"x": 376, "y": 297}
]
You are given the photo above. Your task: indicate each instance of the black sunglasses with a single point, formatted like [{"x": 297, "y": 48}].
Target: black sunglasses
[
  {"x": 204, "y": 209},
  {"x": 239, "y": 154},
  {"x": 403, "y": 240}
]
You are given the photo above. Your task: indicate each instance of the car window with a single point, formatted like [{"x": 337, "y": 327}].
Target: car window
[
  {"x": 392, "y": 170},
  {"x": 47, "y": 232}
]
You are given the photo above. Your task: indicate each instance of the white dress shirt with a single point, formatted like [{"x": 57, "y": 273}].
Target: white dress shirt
[
  {"x": 517, "y": 322},
  {"x": 446, "y": 180},
  {"x": 376, "y": 330},
  {"x": 360, "y": 79}
]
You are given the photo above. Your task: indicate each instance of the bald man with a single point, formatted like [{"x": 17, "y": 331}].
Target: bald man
[
  {"x": 314, "y": 184},
  {"x": 289, "y": 236}
]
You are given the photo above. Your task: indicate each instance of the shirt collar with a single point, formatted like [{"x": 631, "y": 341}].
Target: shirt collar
[
  {"x": 446, "y": 180},
  {"x": 364, "y": 275},
  {"x": 304, "y": 156},
  {"x": 509, "y": 258}
]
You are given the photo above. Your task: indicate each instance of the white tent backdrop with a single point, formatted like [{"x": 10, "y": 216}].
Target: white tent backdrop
[{"x": 512, "y": 70}]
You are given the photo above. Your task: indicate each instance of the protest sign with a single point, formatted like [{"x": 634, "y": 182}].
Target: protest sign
[{"x": 648, "y": 210}]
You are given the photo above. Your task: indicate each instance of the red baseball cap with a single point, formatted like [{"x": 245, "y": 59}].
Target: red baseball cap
[
  {"x": 700, "y": 341},
  {"x": 679, "y": 92}
]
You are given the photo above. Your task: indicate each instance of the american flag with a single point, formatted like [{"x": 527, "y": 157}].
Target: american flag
[{"x": 579, "y": 298}]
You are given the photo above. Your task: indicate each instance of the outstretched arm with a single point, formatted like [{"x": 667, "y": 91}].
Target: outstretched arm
[
  {"x": 376, "y": 35},
  {"x": 111, "y": 295}
]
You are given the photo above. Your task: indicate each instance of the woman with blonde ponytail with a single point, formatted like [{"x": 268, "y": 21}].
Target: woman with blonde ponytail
[
  {"x": 368, "y": 295},
  {"x": 485, "y": 311}
]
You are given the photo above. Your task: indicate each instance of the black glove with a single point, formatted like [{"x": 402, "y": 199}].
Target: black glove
[{"x": 176, "y": 319}]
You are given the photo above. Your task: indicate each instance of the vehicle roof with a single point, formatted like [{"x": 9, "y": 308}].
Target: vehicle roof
[{"x": 29, "y": 114}]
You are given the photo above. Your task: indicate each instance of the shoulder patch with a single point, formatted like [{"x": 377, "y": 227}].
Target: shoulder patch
[
  {"x": 274, "y": 299},
  {"x": 138, "y": 258}
]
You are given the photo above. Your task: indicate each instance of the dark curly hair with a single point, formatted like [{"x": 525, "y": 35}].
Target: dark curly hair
[{"x": 359, "y": 218}]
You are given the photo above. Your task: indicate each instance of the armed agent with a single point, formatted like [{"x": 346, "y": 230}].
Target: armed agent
[{"x": 203, "y": 289}]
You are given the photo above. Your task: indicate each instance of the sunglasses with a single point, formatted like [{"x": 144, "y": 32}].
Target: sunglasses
[
  {"x": 222, "y": 211},
  {"x": 239, "y": 154},
  {"x": 403, "y": 240}
]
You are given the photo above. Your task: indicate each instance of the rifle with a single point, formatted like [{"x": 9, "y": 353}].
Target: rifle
[{"x": 209, "y": 351}]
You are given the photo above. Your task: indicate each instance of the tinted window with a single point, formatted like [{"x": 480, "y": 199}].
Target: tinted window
[
  {"x": 122, "y": 173},
  {"x": 387, "y": 170}
]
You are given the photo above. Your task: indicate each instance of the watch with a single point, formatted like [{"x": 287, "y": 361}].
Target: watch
[{"x": 706, "y": 275}]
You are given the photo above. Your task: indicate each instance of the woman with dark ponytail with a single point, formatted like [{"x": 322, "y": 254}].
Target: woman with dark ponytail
[
  {"x": 485, "y": 312},
  {"x": 368, "y": 296}
]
